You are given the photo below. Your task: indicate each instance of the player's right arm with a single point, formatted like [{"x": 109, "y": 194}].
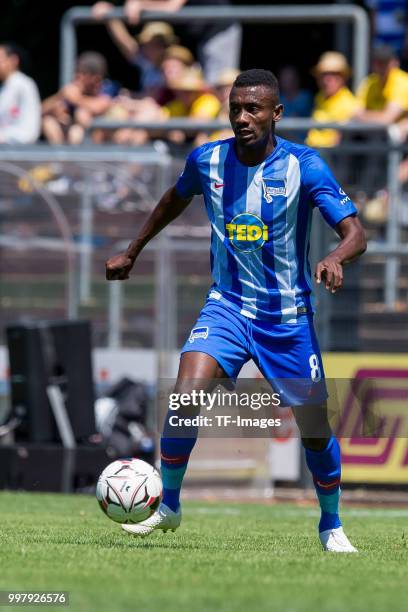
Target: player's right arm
[{"x": 170, "y": 206}]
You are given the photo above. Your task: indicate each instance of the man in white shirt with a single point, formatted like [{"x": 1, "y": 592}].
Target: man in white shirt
[{"x": 20, "y": 106}]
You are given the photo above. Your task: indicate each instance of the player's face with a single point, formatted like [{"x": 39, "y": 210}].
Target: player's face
[{"x": 253, "y": 111}]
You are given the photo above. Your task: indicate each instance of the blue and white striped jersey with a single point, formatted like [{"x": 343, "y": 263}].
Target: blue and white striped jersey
[{"x": 261, "y": 219}]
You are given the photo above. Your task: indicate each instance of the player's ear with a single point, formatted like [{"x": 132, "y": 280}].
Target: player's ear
[{"x": 278, "y": 112}]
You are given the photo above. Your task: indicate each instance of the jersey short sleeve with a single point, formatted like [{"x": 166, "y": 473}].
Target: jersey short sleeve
[
  {"x": 189, "y": 182},
  {"x": 324, "y": 191}
]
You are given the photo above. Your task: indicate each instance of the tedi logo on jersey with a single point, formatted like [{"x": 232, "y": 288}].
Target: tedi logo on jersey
[
  {"x": 247, "y": 232},
  {"x": 346, "y": 198},
  {"x": 273, "y": 187}
]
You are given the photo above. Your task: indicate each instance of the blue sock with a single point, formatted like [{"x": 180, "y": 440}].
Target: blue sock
[
  {"x": 175, "y": 453},
  {"x": 325, "y": 467}
]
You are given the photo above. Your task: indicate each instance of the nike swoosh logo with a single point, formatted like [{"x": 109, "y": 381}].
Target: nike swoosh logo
[{"x": 218, "y": 185}]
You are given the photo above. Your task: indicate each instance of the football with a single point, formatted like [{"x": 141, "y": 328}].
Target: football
[{"x": 129, "y": 490}]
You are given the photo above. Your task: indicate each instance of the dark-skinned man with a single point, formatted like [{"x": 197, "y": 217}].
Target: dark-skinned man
[{"x": 259, "y": 191}]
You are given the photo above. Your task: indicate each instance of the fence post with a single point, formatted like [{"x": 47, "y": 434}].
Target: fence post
[
  {"x": 86, "y": 219},
  {"x": 115, "y": 308},
  {"x": 392, "y": 263}
]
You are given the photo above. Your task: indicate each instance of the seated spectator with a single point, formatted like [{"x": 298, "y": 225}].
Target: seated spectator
[
  {"x": 176, "y": 60},
  {"x": 296, "y": 101},
  {"x": 334, "y": 101},
  {"x": 70, "y": 111},
  {"x": 191, "y": 100},
  {"x": 383, "y": 95},
  {"x": 127, "y": 108},
  {"x": 20, "y": 105}
]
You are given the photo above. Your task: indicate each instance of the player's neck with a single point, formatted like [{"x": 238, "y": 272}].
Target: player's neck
[{"x": 252, "y": 156}]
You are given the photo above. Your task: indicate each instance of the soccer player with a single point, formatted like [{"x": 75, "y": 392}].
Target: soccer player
[{"x": 259, "y": 192}]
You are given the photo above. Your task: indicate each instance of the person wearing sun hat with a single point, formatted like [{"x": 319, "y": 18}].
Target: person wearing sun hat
[
  {"x": 334, "y": 100},
  {"x": 383, "y": 94},
  {"x": 192, "y": 98},
  {"x": 176, "y": 59}
]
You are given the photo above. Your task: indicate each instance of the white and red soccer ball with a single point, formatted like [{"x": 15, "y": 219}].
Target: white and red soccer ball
[{"x": 129, "y": 490}]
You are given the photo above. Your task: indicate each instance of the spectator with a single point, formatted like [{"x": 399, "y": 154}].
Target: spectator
[
  {"x": 383, "y": 95},
  {"x": 147, "y": 52},
  {"x": 218, "y": 44},
  {"x": 192, "y": 100},
  {"x": 334, "y": 101},
  {"x": 20, "y": 106},
  {"x": 297, "y": 102},
  {"x": 176, "y": 60},
  {"x": 70, "y": 111}
]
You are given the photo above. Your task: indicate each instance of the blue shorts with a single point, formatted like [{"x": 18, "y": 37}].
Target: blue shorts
[{"x": 287, "y": 354}]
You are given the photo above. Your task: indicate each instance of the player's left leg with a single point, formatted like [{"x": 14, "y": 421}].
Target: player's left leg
[
  {"x": 288, "y": 356},
  {"x": 323, "y": 459}
]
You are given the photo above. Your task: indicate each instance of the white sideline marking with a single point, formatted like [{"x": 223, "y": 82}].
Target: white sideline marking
[{"x": 309, "y": 512}]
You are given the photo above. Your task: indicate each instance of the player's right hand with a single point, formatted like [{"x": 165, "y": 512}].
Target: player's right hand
[{"x": 119, "y": 266}]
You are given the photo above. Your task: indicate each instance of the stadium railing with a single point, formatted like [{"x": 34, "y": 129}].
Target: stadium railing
[{"x": 285, "y": 13}]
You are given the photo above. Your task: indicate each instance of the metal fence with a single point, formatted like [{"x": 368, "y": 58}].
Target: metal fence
[
  {"x": 281, "y": 14},
  {"x": 62, "y": 211}
]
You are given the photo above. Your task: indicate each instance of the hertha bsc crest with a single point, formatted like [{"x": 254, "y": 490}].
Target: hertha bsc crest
[{"x": 273, "y": 187}]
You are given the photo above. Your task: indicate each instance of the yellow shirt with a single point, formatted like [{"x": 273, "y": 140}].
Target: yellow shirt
[
  {"x": 339, "y": 107},
  {"x": 206, "y": 106},
  {"x": 373, "y": 95}
]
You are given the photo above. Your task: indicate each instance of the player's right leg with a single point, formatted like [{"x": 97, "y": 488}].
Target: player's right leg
[
  {"x": 216, "y": 349},
  {"x": 197, "y": 371}
]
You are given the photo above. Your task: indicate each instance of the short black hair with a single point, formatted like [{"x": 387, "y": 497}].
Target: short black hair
[
  {"x": 258, "y": 76},
  {"x": 12, "y": 48}
]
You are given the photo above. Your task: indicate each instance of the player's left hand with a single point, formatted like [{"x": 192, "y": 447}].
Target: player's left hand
[{"x": 330, "y": 271}]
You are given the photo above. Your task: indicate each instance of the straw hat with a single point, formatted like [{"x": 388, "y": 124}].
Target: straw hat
[
  {"x": 157, "y": 29},
  {"x": 190, "y": 80},
  {"x": 332, "y": 61},
  {"x": 226, "y": 77},
  {"x": 180, "y": 53}
]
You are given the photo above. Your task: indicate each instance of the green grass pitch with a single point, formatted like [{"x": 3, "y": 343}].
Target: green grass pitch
[{"x": 224, "y": 557}]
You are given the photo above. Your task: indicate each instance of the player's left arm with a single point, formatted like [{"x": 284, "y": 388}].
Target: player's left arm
[
  {"x": 352, "y": 245},
  {"x": 340, "y": 213}
]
